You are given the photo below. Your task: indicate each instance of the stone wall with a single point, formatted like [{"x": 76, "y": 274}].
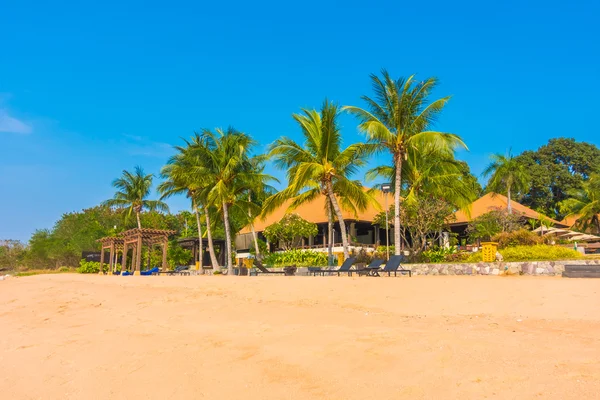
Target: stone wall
[{"x": 549, "y": 268}]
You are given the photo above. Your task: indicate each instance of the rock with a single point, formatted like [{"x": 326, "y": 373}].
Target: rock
[
  {"x": 499, "y": 256},
  {"x": 486, "y": 270},
  {"x": 559, "y": 269},
  {"x": 539, "y": 271},
  {"x": 527, "y": 268},
  {"x": 467, "y": 271},
  {"x": 495, "y": 271},
  {"x": 458, "y": 272},
  {"x": 444, "y": 271},
  {"x": 512, "y": 270},
  {"x": 434, "y": 271},
  {"x": 550, "y": 270}
]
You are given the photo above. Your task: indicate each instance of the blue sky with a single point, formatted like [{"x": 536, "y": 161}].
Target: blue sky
[{"x": 89, "y": 89}]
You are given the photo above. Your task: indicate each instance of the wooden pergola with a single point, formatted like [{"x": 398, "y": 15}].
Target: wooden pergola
[
  {"x": 135, "y": 239},
  {"x": 113, "y": 244}
]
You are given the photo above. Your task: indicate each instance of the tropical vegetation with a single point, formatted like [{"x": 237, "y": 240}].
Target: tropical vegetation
[{"x": 226, "y": 179}]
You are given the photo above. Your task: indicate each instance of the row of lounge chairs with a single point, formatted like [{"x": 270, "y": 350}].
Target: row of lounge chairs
[{"x": 373, "y": 269}]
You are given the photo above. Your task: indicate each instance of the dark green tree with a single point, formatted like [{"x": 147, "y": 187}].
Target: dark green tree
[{"x": 555, "y": 169}]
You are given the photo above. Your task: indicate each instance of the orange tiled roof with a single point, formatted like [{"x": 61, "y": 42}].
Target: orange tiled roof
[
  {"x": 314, "y": 211},
  {"x": 494, "y": 201},
  {"x": 570, "y": 220}
]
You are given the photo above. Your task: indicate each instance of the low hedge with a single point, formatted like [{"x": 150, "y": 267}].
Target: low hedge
[
  {"x": 298, "y": 258},
  {"x": 540, "y": 252}
]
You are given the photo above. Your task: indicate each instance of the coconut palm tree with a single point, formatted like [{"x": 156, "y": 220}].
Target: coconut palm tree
[
  {"x": 257, "y": 193},
  {"x": 585, "y": 203},
  {"x": 507, "y": 173},
  {"x": 320, "y": 166},
  {"x": 229, "y": 174},
  {"x": 399, "y": 120},
  {"x": 182, "y": 178},
  {"x": 132, "y": 194}
]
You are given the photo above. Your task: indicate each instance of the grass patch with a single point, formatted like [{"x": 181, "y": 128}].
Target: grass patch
[{"x": 31, "y": 272}]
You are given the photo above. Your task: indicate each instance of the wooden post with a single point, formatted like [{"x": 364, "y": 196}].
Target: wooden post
[
  {"x": 124, "y": 258},
  {"x": 165, "y": 247},
  {"x": 138, "y": 259},
  {"x": 112, "y": 258},
  {"x": 133, "y": 257},
  {"x": 101, "y": 259},
  {"x": 149, "y": 253}
]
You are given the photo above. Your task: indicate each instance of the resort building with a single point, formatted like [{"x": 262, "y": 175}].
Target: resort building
[
  {"x": 359, "y": 226},
  {"x": 490, "y": 202}
]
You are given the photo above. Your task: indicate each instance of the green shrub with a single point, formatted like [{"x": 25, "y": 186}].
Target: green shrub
[
  {"x": 382, "y": 249},
  {"x": 299, "y": 258},
  {"x": 540, "y": 252},
  {"x": 90, "y": 267},
  {"x": 521, "y": 237},
  {"x": 437, "y": 254}
]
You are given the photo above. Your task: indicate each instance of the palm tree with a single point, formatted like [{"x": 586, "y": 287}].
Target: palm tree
[
  {"x": 585, "y": 203},
  {"x": 182, "y": 178},
  {"x": 132, "y": 194},
  {"x": 228, "y": 172},
  {"x": 399, "y": 120},
  {"x": 258, "y": 191},
  {"x": 320, "y": 166},
  {"x": 506, "y": 173}
]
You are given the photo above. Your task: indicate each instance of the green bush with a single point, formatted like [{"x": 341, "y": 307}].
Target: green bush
[
  {"x": 521, "y": 237},
  {"x": 90, "y": 267},
  {"x": 382, "y": 249},
  {"x": 298, "y": 258},
  {"x": 541, "y": 252},
  {"x": 437, "y": 254}
]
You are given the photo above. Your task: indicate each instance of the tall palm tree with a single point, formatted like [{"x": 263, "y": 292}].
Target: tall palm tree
[
  {"x": 258, "y": 191},
  {"x": 399, "y": 118},
  {"x": 506, "y": 173},
  {"x": 585, "y": 203},
  {"x": 321, "y": 166},
  {"x": 132, "y": 194},
  {"x": 182, "y": 178},
  {"x": 227, "y": 167}
]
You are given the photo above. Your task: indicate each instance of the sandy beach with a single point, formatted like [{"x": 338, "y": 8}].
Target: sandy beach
[{"x": 95, "y": 337}]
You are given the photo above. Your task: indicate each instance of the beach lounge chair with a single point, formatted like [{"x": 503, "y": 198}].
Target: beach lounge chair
[
  {"x": 179, "y": 270},
  {"x": 259, "y": 268},
  {"x": 393, "y": 265},
  {"x": 153, "y": 271},
  {"x": 345, "y": 267},
  {"x": 371, "y": 269}
]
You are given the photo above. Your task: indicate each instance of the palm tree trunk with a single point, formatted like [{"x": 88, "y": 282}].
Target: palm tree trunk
[
  {"x": 398, "y": 185},
  {"x": 254, "y": 235},
  {"x": 200, "y": 247},
  {"x": 227, "y": 239},
  {"x": 137, "y": 215},
  {"x": 340, "y": 217},
  {"x": 211, "y": 248},
  {"x": 509, "y": 206},
  {"x": 329, "y": 233}
]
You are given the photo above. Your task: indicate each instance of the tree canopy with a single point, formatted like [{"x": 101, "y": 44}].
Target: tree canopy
[{"x": 560, "y": 166}]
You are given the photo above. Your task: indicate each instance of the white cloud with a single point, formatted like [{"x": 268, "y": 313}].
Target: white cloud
[{"x": 12, "y": 125}]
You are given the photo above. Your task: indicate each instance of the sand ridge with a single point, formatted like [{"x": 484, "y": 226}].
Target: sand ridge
[{"x": 74, "y": 336}]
